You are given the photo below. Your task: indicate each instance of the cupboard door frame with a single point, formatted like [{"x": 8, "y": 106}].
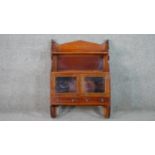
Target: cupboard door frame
[
  {"x": 106, "y": 92},
  {"x": 65, "y": 94}
]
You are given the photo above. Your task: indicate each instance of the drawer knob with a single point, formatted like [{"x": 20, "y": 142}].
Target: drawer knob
[
  {"x": 102, "y": 100},
  {"x": 87, "y": 99},
  {"x": 73, "y": 100}
]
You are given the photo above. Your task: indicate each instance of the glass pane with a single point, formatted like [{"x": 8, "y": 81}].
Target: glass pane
[
  {"x": 94, "y": 84},
  {"x": 65, "y": 84}
]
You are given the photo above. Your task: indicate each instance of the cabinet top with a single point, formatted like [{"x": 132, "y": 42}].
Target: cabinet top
[{"x": 80, "y": 46}]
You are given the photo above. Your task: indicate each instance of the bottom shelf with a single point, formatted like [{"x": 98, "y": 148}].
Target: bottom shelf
[{"x": 106, "y": 110}]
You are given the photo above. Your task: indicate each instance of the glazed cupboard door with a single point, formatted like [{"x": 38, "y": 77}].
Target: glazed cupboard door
[
  {"x": 95, "y": 85},
  {"x": 64, "y": 84}
]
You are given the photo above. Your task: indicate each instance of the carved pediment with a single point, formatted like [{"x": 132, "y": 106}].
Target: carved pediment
[{"x": 81, "y": 46}]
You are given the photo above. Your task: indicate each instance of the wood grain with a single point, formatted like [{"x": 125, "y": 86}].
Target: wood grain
[{"x": 80, "y": 59}]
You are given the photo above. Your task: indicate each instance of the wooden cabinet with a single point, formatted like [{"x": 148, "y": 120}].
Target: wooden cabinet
[{"x": 80, "y": 75}]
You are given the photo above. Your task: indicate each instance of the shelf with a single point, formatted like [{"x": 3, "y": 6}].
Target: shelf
[
  {"x": 80, "y": 72},
  {"x": 72, "y": 53}
]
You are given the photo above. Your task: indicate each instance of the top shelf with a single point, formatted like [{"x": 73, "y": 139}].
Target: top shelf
[{"x": 85, "y": 53}]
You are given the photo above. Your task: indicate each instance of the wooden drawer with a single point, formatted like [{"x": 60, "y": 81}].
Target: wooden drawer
[
  {"x": 67, "y": 99},
  {"x": 94, "y": 101},
  {"x": 84, "y": 101}
]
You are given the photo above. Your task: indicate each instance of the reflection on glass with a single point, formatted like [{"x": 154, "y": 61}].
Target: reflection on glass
[
  {"x": 94, "y": 84},
  {"x": 65, "y": 84}
]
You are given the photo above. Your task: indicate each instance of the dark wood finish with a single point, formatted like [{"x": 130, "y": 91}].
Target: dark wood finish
[
  {"x": 79, "y": 70},
  {"x": 81, "y": 62},
  {"x": 53, "y": 111}
]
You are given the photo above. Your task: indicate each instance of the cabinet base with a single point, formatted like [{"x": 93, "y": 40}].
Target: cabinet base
[{"x": 106, "y": 111}]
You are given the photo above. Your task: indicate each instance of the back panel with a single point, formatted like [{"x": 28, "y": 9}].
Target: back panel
[{"x": 80, "y": 62}]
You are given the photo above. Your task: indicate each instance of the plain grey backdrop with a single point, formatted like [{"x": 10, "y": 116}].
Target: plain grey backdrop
[{"x": 25, "y": 76}]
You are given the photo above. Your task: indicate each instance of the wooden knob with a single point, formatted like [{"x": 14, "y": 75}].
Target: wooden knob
[
  {"x": 102, "y": 99},
  {"x": 87, "y": 99}
]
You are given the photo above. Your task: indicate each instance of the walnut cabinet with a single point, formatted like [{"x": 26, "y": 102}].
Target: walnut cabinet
[{"x": 80, "y": 75}]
